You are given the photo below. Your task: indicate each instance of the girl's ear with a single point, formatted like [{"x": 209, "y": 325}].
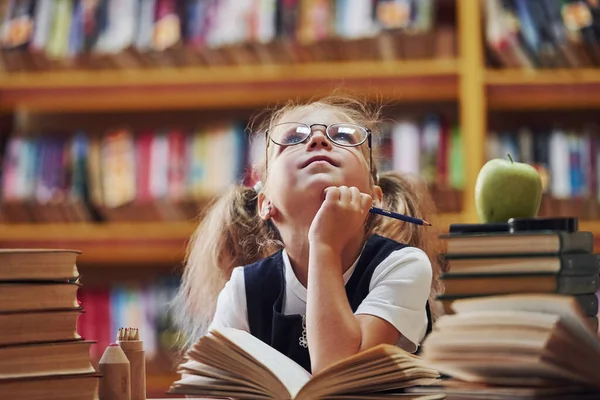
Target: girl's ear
[
  {"x": 377, "y": 196},
  {"x": 266, "y": 210}
]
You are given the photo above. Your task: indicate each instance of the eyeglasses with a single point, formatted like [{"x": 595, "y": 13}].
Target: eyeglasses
[{"x": 341, "y": 134}]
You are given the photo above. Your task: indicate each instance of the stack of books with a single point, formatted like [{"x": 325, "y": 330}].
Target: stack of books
[
  {"x": 41, "y": 353},
  {"x": 525, "y": 346},
  {"x": 533, "y": 256}
]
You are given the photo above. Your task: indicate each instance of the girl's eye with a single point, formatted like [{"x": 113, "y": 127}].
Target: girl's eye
[
  {"x": 296, "y": 134},
  {"x": 349, "y": 135},
  {"x": 293, "y": 137},
  {"x": 344, "y": 137}
]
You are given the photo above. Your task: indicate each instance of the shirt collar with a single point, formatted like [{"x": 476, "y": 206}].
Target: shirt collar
[{"x": 297, "y": 287}]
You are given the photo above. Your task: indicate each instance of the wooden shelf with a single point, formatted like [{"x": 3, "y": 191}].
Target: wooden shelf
[
  {"x": 118, "y": 244},
  {"x": 231, "y": 86},
  {"x": 594, "y": 227},
  {"x": 591, "y": 226},
  {"x": 147, "y": 244},
  {"x": 442, "y": 221},
  {"x": 543, "y": 89}
]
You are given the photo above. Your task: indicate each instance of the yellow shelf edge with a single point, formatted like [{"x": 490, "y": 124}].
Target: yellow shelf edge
[
  {"x": 96, "y": 231},
  {"x": 129, "y": 231},
  {"x": 119, "y": 244},
  {"x": 225, "y": 87},
  {"x": 144, "y": 244},
  {"x": 442, "y": 221},
  {"x": 509, "y": 77},
  {"x": 590, "y": 226},
  {"x": 228, "y": 74}
]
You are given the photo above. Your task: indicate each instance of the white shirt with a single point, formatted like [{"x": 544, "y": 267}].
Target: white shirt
[{"x": 398, "y": 291}]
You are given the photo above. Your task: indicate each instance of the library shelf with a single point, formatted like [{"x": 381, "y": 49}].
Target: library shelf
[
  {"x": 442, "y": 221},
  {"x": 535, "y": 89},
  {"x": 225, "y": 86},
  {"x": 135, "y": 244},
  {"x": 120, "y": 244},
  {"x": 594, "y": 227},
  {"x": 591, "y": 226}
]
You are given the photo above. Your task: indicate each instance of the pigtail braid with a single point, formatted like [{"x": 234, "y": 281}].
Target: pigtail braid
[{"x": 229, "y": 235}]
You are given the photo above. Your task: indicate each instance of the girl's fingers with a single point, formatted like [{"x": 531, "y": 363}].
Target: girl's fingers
[
  {"x": 345, "y": 195},
  {"x": 355, "y": 195},
  {"x": 366, "y": 201},
  {"x": 332, "y": 193}
]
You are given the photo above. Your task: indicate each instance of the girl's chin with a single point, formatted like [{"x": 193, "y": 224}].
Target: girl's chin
[
  {"x": 315, "y": 184},
  {"x": 319, "y": 184}
]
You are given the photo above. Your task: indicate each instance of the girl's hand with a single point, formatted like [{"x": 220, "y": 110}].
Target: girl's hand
[{"x": 341, "y": 216}]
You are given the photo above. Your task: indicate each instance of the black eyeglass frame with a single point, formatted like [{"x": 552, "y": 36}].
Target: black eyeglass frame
[{"x": 367, "y": 139}]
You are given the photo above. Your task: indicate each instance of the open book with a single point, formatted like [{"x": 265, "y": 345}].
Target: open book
[
  {"x": 515, "y": 345},
  {"x": 233, "y": 363}
]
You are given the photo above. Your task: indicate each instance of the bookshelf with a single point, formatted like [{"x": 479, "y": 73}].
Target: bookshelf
[
  {"x": 476, "y": 88},
  {"x": 119, "y": 244},
  {"x": 471, "y": 100},
  {"x": 532, "y": 77},
  {"x": 123, "y": 244},
  {"x": 542, "y": 89},
  {"x": 225, "y": 86}
]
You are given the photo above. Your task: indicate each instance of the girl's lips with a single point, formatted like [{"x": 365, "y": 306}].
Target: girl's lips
[{"x": 319, "y": 158}]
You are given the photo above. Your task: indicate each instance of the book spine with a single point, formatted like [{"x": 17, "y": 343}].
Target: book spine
[
  {"x": 588, "y": 303},
  {"x": 578, "y": 242},
  {"x": 580, "y": 264},
  {"x": 577, "y": 284}
]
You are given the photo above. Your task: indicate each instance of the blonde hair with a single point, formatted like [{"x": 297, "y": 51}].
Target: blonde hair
[
  {"x": 231, "y": 234},
  {"x": 411, "y": 196}
]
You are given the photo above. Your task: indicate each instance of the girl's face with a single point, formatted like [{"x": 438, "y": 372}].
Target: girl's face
[{"x": 300, "y": 173}]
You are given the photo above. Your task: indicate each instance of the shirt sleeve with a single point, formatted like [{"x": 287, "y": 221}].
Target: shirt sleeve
[
  {"x": 398, "y": 292},
  {"x": 231, "y": 310}
]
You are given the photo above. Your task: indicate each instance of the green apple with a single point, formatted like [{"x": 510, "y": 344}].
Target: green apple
[{"x": 506, "y": 189}]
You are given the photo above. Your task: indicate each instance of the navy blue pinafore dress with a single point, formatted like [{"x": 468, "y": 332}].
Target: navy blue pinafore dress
[{"x": 265, "y": 291}]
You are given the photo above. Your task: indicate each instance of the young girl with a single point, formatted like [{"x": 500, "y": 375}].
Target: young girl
[{"x": 299, "y": 262}]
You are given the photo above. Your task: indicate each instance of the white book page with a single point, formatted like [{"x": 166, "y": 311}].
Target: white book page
[
  {"x": 560, "y": 185},
  {"x": 406, "y": 147},
  {"x": 43, "y": 23},
  {"x": 145, "y": 25},
  {"x": 553, "y": 304},
  {"x": 290, "y": 374},
  {"x": 159, "y": 173}
]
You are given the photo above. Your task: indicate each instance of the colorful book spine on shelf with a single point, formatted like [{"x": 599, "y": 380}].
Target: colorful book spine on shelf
[
  {"x": 567, "y": 160},
  {"x": 120, "y": 175},
  {"x": 548, "y": 34},
  {"x": 168, "y": 174},
  {"x": 429, "y": 147},
  {"x": 144, "y": 305},
  {"x": 136, "y": 33}
]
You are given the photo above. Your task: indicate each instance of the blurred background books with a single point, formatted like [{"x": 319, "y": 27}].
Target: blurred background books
[{"x": 57, "y": 34}]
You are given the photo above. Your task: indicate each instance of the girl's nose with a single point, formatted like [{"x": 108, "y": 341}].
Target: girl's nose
[{"x": 318, "y": 139}]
